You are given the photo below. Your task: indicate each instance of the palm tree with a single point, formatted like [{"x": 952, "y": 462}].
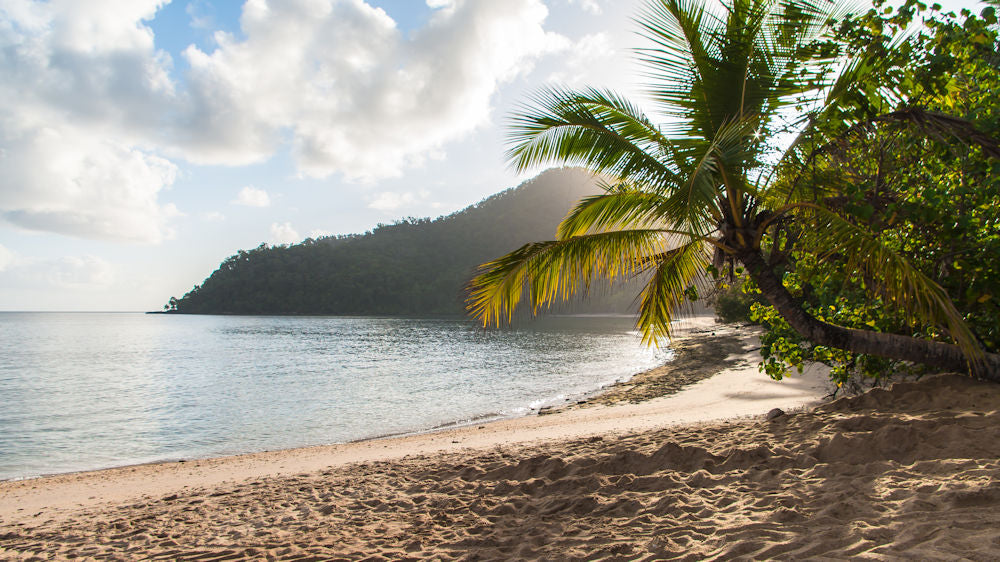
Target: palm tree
[{"x": 702, "y": 190}]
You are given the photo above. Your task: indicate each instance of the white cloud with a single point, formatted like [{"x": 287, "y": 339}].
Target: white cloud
[
  {"x": 81, "y": 84},
  {"x": 319, "y": 233},
  {"x": 591, "y": 6},
  {"x": 90, "y": 114},
  {"x": 252, "y": 197},
  {"x": 284, "y": 234},
  {"x": 65, "y": 181},
  {"x": 92, "y": 64},
  {"x": 358, "y": 97}
]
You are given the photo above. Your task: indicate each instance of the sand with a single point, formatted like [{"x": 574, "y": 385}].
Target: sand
[{"x": 903, "y": 473}]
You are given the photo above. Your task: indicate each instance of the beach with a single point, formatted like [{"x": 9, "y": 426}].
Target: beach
[{"x": 647, "y": 470}]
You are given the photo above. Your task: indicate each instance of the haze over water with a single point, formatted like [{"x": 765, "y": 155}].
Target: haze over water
[{"x": 81, "y": 391}]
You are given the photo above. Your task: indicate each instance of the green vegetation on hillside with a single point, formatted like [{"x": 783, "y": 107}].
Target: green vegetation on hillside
[{"x": 413, "y": 266}]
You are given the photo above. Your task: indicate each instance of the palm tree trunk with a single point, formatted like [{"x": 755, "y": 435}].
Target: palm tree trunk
[{"x": 947, "y": 357}]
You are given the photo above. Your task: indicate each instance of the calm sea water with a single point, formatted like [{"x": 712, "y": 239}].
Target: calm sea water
[{"x": 81, "y": 391}]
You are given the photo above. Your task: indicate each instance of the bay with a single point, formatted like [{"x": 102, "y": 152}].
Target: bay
[{"x": 83, "y": 391}]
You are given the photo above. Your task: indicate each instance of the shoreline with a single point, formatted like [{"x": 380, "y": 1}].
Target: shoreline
[
  {"x": 99, "y": 414},
  {"x": 327, "y": 430},
  {"x": 697, "y": 325},
  {"x": 903, "y": 473},
  {"x": 60, "y": 495}
]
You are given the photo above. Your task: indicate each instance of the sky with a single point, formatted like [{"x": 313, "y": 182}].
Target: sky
[{"x": 144, "y": 141}]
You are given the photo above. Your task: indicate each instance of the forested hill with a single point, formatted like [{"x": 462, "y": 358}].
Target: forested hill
[{"x": 414, "y": 266}]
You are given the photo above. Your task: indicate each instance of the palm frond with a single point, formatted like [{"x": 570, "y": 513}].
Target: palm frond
[
  {"x": 697, "y": 201},
  {"x": 613, "y": 211},
  {"x": 628, "y": 209},
  {"x": 709, "y": 66},
  {"x": 682, "y": 32},
  {"x": 858, "y": 70},
  {"x": 557, "y": 270},
  {"x": 596, "y": 129},
  {"x": 917, "y": 296},
  {"x": 672, "y": 272}
]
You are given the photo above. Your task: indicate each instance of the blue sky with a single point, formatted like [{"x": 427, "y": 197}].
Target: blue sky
[{"x": 143, "y": 141}]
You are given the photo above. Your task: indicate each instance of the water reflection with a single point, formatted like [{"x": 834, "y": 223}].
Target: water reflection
[{"x": 81, "y": 391}]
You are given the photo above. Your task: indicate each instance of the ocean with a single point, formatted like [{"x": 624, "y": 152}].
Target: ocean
[{"x": 84, "y": 391}]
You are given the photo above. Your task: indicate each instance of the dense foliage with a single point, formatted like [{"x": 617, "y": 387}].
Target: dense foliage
[
  {"x": 413, "y": 266},
  {"x": 930, "y": 192}
]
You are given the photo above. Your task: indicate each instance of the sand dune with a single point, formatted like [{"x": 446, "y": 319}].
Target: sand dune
[{"x": 906, "y": 473}]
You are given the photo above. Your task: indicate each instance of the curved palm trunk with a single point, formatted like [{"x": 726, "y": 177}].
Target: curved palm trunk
[{"x": 893, "y": 346}]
